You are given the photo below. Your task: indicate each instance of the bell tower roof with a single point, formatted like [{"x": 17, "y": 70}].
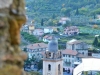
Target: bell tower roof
[{"x": 53, "y": 45}]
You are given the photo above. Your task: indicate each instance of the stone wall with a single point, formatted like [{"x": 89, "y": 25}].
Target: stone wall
[{"x": 12, "y": 17}]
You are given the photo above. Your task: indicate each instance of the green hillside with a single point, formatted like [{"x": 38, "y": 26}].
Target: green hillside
[{"x": 48, "y": 8}]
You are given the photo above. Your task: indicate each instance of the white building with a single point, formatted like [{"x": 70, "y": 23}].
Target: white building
[
  {"x": 88, "y": 64},
  {"x": 77, "y": 45},
  {"x": 69, "y": 57},
  {"x": 36, "y": 49},
  {"x": 49, "y": 37},
  {"x": 96, "y": 55},
  {"x": 25, "y": 28},
  {"x": 52, "y": 61},
  {"x": 71, "y": 31},
  {"x": 48, "y": 30},
  {"x": 38, "y": 32},
  {"x": 64, "y": 19}
]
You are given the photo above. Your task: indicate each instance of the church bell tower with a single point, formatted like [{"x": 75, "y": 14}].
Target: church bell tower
[{"x": 52, "y": 59}]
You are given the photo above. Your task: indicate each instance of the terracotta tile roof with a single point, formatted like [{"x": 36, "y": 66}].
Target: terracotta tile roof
[
  {"x": 69, "y": 52},
  {"x": 46, "y": 36},
  {"x": 49, "y": 37},
  {"x": 37, "y": 46}
]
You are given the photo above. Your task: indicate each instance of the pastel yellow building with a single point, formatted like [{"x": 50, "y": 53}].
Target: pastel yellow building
[{"x": 31, "y": 29}]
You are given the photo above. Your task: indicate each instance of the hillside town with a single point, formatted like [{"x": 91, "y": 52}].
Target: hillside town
[
  {"x": 73, "y": 49},
  {"x": 49, "y": 37},
  {"x": 60, "y": 35}
]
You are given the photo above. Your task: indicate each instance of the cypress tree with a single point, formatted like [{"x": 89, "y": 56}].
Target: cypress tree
[
  {"x": 77, "y": 12},
  {"x": 42, "y": 22},
  {"x": 95, "y": 42}
]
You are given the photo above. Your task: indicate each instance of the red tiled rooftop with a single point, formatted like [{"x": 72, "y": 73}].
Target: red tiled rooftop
[
  {"x": 48, "y": 37},
  {"x": 69, "y": 52},
  {"x": 37, "y": 45}
]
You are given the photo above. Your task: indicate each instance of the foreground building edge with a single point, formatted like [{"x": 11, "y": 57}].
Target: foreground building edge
[{"x": 11, "y": 20}]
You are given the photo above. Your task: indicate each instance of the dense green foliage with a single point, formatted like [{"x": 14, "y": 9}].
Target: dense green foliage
[
  {"x": 30, "y": 38},
  {"x": 95, "y": 42},
  {"x": 34, "y": 73},
  {"x": 40, "y": 65},
  {"x": 46, "y": 8}
]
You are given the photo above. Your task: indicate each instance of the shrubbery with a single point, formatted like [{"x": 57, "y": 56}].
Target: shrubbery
[
  {"x": 30, "y": 38},
  {"x": 81, "y": 34}
]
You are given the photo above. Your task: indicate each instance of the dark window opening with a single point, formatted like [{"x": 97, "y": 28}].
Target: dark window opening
[
  {"x": 49, "y": 67},
  {"x": 72, "y": 46},
  {"x": 50, "y": 54},
  {"x": 59, "y": 67}
]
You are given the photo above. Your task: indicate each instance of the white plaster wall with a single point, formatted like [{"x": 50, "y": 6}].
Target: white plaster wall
[
  {"x": 54, "y": 67},
  {"x": 72, "y": 60},
  {"x": 80, "y": 46},
  {"x": 47, "y": 30},
  {"x": 46, "y": 40},
  {"x": 85, "y": 51},
  {"x": 69, "y": 46}
]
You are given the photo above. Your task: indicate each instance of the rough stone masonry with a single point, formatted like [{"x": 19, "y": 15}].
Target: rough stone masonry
[{"x": 12, "y": 17}]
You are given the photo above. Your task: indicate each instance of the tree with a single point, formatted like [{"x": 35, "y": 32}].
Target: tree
[
  {"x": 95, "y": 42},
  {"x": 42, "y": 22},
  {"x": 77, "y": 12},
  {"x": 96, "y": 11},
  {"x": 33, "y": 59},
  {"x": 53, "y": 16},
  {"x": 94, "y": 16},
  {"x": 58, "y": 29},
  {"x": 40, "y": 65},
  {"x": 83, "y": 11},
  {"x": 68, "y": 23},
  {"x": 59, "y": 24},
  {"x": 30, "y": 38},
  {"x": 34, "y": 73},
  {"x": 65, "y": 11},
  {"x": 25, "y": 50},
  {"x": 95, "y": 26},
  {"x": 28, "y": 61}
]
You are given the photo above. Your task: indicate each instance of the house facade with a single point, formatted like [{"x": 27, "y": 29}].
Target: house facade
[
  {"x": 64, "y": 19},
  {"x": 48, "y": 30},
  {"x": 38, "y": 32},
  {"x": 25, "y": 28},
  {"x": 47, "y": 38},
  {"x": 31, "y": 29},
  {"x": 28, "y": 28},
  {"x": 69, "y": 57},
  {"x": 72, "y": 58},
  {"x": 36, "y": 49},
  {"x": 75, "y": 51},
  {"x": 78, "y": 45},
  {"x": 71, "y": 30}
]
